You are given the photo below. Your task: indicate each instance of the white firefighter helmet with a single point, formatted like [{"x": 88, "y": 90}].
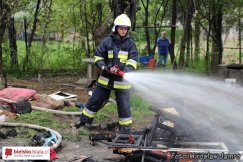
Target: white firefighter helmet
[{"x": 121, "y": 20}]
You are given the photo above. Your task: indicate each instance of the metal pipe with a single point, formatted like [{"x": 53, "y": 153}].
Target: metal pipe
[{"x": 172, "y": 149}]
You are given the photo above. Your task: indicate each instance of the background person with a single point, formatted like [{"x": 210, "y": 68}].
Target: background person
[{"x": 163, "y": 49}]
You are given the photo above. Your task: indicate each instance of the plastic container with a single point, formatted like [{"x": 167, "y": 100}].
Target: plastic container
[
  {"x": 145, "y": 59},
  {"x": 152, "y": 64}
]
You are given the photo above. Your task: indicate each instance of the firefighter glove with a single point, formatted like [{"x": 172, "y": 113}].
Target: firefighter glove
[{"x": 114, "y": 70}]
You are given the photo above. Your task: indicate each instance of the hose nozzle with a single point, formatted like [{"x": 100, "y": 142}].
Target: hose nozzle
[
  {"x": 121, "y": 73},
  {"x": 116, "y": 71}
]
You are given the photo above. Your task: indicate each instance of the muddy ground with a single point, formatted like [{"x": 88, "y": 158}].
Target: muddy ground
[{"x": 81, "y": 147}]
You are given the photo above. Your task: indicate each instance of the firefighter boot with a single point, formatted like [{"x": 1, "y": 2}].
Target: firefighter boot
[
  {"x": 125, "y": 129},
  {"x": 78, "y": 124}
]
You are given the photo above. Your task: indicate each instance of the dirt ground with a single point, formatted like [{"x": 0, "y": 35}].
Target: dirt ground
[
  {"x": 74, "y": 151},
  {"x": 69, "y": 151},
  {"x": 81, "y": 148},
  {"x": 47, "y": 85}
]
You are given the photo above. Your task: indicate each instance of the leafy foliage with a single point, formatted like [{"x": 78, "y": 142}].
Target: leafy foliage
[{"x": 72, "y": 25}]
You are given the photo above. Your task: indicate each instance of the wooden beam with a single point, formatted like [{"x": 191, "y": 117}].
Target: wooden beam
[
  {"x": 166, "y": 26},
  {"x": 232, "y": 48}
]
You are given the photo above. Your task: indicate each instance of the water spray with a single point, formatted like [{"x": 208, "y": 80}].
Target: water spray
[{"x": 213, "y": 108}]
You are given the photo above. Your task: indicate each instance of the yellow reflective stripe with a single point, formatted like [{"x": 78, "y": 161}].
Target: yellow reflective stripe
[
  {"x": 110, "y": 54},
  {"x": 123, "y": 61},
  {"x": 125, "y": 122},
  {"x": 102, "y": 80},
  {"x": 121, "y": 85},
  {"x": 123, "y": 54},
  {"x": 132, "y": 63},
  {"x": 98, "y": 58},
  {"x": 88, "y": 113}
]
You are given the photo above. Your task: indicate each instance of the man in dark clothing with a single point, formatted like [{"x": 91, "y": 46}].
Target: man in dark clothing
[
  {"x": 116, "y": 52},
  {"x": 163, "y": 49}
]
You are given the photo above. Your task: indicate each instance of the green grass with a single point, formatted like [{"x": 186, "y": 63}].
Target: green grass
[
  {"x": 70, "y": 109},
  {"x": 62, "y": 123},
  {"x": 45, "y": 119},
  {"x": 68, "y": 55},
  {"x": 57, "y": 56},
  {"x": 24, "y": 133},
  {"x": 139, "y": 109},
  {"x": 197, "y": 68}
]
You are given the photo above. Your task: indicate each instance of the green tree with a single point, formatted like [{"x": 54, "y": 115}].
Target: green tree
[
  {"x": 185, "y": 40},
  {"x": 155, "y": 13}
]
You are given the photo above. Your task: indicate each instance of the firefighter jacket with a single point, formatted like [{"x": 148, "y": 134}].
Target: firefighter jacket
[{"x": 116, "y": 51}]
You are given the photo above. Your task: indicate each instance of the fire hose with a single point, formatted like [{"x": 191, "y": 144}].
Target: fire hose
[
  {"x": 36, "y": 127},
  {"x": 45, "y": 109}
]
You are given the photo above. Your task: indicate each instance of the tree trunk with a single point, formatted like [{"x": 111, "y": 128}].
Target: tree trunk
[
  {"x": 100, "y": 13},
  {"x": 132, "y": 13},
  {"x": 12, "y": 43},
  {"x": 4, "y": 14},
  {"x": 146, "y": 23},
  {"x": 34, "y": 24},
  {"x": 217, "y": 46},
  {"x": 188, "y": 46},
  {"x": 118, "y": 7},
  {"x": 48, "y": 5},
  {"x": 86, "y": 30},
  {"x": 1, "y": 61},
  {"x": 26, "y": 61},
  {"x": 214, "y": 57},
  {"x": 25, "y": 35},
  {"x": 207, "y": 57},
  {"x": 103, "y": 31},
  {"x": 158, "y": 19},
  {"x": 239, "y": 36},
  {"x": 197, "y": 40},
  {"x": 173, "y": 32},
  {"x": 185, "y": 36},
  {"x": 191, "y": 47}
]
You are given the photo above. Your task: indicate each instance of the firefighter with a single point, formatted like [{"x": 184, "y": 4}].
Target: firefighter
[{"x": 117, "y": 52}]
